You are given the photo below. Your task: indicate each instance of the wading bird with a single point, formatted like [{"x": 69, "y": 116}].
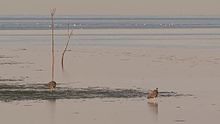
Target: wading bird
[
  {"x": 52, "y": 85},
  {"x": 152, "y": 93}
]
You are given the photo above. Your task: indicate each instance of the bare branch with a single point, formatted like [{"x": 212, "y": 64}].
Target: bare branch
[
  {"x": 65, "y": 49},
  {"x": 53, "y": 11}
]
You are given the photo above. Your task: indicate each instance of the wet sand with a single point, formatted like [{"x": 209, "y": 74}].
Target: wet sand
[{"x": 185, "y": 70}]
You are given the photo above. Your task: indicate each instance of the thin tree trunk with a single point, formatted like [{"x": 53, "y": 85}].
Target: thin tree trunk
[{"x": 52, "y": 31}]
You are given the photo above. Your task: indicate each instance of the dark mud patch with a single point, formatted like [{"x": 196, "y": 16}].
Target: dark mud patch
[
  {"x": 14, "y": 63},
  {"x": 41, "y": 92},
  {"x": 11, "y": 80},
  {"x": 39, "y": 70},
  {"x": 10, "y": 63},
  {"x": 23, "y": 49},
  {"x": 5, "y": 57},
  {"x": 2, "y": 80},
  {"x": 180, "y": 121},
  {"x": 172, "y": 94}
]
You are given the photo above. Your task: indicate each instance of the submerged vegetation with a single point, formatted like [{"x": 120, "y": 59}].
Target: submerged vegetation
[{"x": 40, "y": 92}]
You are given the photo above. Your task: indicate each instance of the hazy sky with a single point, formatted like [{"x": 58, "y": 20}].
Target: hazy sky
[{"x": 111, "y": 7}]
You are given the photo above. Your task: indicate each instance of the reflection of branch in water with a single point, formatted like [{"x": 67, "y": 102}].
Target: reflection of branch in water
[
  {"x": 52, "y": 110},
  {"x": 153, "y": 107}
]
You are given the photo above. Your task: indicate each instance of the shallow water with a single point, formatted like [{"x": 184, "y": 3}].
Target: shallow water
[{"x": 107, "y": 75}]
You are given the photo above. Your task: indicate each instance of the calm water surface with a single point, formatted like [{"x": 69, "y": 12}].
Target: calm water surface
[{"x": 25, "y": 42}]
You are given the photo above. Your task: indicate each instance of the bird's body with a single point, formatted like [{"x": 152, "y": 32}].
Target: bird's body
[
  {"x": 152, "y": 93},
  {"x": 52, "y": 85}
]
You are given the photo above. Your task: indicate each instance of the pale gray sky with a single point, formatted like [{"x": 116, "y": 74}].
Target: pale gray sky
[{"x": 111, "y": 7}]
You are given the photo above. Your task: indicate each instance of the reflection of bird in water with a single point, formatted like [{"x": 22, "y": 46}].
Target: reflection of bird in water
[
  {"x": 153, "y": 106},
  {"x": 52, "y": 110},
  {"x": 152, "y": 102},
  {"x": 152, "y": 93},
  {"x": 52, "y": 85}
]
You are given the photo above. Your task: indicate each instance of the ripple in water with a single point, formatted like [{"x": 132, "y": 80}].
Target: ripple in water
[{"x": 41, "y": 92}]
